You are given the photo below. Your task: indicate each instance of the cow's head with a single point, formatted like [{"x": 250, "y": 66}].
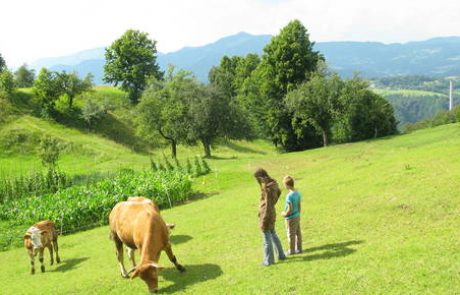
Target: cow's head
[{"x": 148, "y": 272}]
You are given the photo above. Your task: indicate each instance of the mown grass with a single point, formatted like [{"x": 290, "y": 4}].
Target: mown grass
[{"x": 379, "y": 217}]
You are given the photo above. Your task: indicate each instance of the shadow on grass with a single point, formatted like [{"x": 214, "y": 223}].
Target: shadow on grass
[
  {"x": 328, "y": 251},
  {"x": 201, "y": 196},
  {"x": 241, "y": 149},
  {"x": 179, "y": 239},
  {"x": 222, "y": 158},
  {"x": 68, "y": 264},
  {"x": 194, "y": 274}
]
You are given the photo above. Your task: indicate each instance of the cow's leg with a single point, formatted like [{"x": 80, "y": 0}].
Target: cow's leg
[
  {"x": 50, "y": 248},
  {"x": 119, "y": 248},
  {"x": 32, "y": 261},
  {"x": 131, "y": 255},
  {"x": 173, "y": 258},
  {"x": 56, "y": 249},
  {"x": 41, "y": 259}
]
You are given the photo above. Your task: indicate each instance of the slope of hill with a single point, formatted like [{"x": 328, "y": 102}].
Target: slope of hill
[
  {"x": 438, "y": 57},
  {"x": 378, "y": 217}
]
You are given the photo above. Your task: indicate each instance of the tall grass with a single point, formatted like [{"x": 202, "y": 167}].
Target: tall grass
[{"x": 35, "y": 183}]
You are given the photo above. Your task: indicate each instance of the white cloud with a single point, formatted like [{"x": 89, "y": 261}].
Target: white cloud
[{"x": 31, "y": 29}]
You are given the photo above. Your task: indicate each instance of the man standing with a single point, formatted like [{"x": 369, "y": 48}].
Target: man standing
[{"x": 269, "y": 195}]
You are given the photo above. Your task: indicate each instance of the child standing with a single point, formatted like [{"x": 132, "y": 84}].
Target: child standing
[{"x": 292, "y": 215}]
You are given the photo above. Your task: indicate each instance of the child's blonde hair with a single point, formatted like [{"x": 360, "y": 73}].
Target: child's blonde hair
[{"x": 288, "y": 180}]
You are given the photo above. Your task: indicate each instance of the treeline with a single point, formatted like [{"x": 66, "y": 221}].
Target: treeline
[
  {"x": 441, "y": 118},
  {"x": 416, "y": 82},
  {"x": 286, "y": 95}
]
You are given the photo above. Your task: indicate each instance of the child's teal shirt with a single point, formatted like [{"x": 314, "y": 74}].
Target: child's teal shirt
[{"x": 294, "y": 199}]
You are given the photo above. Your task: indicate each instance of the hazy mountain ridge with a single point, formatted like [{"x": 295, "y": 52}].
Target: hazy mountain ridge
[{"x": 438, "y": 57}]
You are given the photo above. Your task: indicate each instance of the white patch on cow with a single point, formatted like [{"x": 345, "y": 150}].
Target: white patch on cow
[{"x": 36, "y": 237}]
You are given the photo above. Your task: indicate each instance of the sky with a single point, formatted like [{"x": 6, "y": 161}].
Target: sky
[{"x": 31, "y": 29}]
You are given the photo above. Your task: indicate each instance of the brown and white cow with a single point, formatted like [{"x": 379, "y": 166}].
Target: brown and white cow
[
  {"x": 137, "y": 223},
  {"x": 39, "y": 236}
]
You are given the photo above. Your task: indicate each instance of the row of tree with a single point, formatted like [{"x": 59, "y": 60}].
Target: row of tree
[
  {"x": 292, "y": 99},
  {"x": 22, "y": 77},
  {"x": 285, "y": 95}
]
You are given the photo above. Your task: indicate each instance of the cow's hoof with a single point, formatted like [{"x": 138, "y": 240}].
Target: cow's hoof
[
  {"x": 125, "y": 276},
  {"x": 58, "y": 260},
  {"x": 180, "y": 268},
  {"x": 42, "y": 268}
]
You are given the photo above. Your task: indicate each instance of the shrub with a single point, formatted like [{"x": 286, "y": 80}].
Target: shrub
[{"x": 49, "y": 151}]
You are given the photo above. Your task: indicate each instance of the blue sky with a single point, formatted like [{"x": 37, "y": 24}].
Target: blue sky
[{"x": 31, "y": 29}]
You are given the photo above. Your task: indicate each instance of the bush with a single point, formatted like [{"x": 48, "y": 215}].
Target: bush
[
  {"x": 92, "y": 112},
  {"x": 49, "y": 151}
]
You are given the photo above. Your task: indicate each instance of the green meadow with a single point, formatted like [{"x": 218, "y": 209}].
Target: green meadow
[{"x": 379, "y": 217}]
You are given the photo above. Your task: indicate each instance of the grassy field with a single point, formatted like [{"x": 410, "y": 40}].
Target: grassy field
[{"x": 379, "y": 217}]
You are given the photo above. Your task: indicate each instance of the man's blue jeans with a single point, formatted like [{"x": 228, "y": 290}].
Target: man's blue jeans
[{"x": 270, "y": 239}]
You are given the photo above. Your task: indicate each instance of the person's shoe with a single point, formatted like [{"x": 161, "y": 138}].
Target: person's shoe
[
  {"x": 265, "y": 264},
  {"x": 282, "y": 257}
]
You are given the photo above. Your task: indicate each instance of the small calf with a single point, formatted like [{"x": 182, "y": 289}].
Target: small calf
[{"x": 38, "y": 237}]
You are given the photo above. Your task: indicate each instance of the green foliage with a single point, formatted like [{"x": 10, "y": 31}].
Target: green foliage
[
  {"x": 47, "y": 88},
  {"x": 205, "y": 166},
  {"x": 72, "y": 85},
  {"x": 80, "y": 207},
  {"x": 6, "y": 82},
  {"x": 49, "y": 151},
  {"x": 33, "y": 184},
  {"x": 441, "y": 118},
  {"x": 198, "y": 169},
  {"x": 23, "y": 77},
  {"x": 315, "y": 103},
  {"x": 131, "y": 60},
  {"x": 288, "y": 60},
  {"x": 363, "y": 114},
  {"x": 189, "y": 167},
  {"x": 164, "y": 108},
  {"x": 93, "y": 112},
  {"x": 2, "y": 63}
]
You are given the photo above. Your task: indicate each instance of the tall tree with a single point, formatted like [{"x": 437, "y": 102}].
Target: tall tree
[
  {"x": 164, "y": 107},
  {"x": 23, "y": 77},
  {"x": 288, "y": 60},
  {"x": 72, "y": 85},
  {"x": 131, "y": 60}
]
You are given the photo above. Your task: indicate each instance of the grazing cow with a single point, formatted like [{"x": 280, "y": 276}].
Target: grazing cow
[
  {"x": 137, "y": 223},
  {"x": 39, "y": 236}
]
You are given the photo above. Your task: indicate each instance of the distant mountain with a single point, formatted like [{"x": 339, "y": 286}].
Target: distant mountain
[{"x": 438, "y": 57}]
